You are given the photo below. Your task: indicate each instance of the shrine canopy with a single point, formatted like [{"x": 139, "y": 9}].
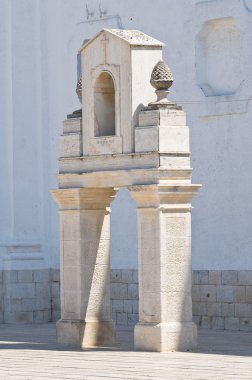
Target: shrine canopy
[{"x": 116, "y": 71}]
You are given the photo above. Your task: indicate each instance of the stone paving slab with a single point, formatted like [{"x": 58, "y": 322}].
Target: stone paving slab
[{"x": 31, "y": 352}]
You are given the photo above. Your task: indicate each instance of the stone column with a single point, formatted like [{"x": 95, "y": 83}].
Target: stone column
[
  {"x": 164, "y": 244},
  {"x": 85, "y": 269}
]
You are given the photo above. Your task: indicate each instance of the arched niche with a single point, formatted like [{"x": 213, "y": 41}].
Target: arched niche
[{"x": 104, "y": 105}]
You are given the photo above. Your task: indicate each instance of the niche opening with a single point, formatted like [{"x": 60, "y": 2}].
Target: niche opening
[{"x": 104, "y": 106}]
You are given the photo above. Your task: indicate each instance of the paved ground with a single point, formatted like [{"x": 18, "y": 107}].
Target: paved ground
[{"x": 31, "y": 352}]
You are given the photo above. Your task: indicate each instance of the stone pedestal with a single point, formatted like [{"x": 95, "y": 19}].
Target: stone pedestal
[
  {"x": 164, "y": 243},
  {"x": 85, "y": 270}
]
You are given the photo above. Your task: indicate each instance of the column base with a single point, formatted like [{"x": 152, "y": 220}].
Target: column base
[
  {"x": 86, "y": 334},
  {"x": 162, "y": 337}
]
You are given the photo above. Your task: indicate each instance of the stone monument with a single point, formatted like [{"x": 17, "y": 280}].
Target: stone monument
[{"x": 126, "y": 138}]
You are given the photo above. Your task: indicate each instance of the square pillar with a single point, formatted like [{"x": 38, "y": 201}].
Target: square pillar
[
  {"x": 85, "y": 268},
  {"x": 164, "y": 245}
]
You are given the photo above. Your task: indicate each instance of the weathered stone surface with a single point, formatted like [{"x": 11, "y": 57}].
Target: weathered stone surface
[
  {"x": 127, "y": 276},
  {"x": 206, "y": 322},
  {"x": 70, "y": 145},
  {"x": 82, "y": 334},
  {"x": 43, "y": 290},
  {"x": 21, "y": 290},
  {"x": 25, "y": 276},
  {"x": 244, "y": 277},
  {"x": 199, "y": 308},
  {"x": 128, "y": 306},
  {"x": 42, "y": 316},
  {"x": 115, "y": 275},
  {"x": 21, "y": 297},
  {"x": 208, "y": 292},
  {"x": 55, "y": 315},
  {"x": 132, "y": 319},
  {"x": 201, "y": 277},
  {"x": 12, "y": 305},
  {"x": 132, "y": 291},
  {"x": 135, "y": 276},
  {"x": 206, "y": 307},
  {"x": 246, "y": 324},
  {"x": 165, "y": 336},
  {"x": 121, "y": 319},
  {"x": 248, "y": 294},
  {"x": 227, "y": 309},
  {"x": 55, "y": 273},
  {"x": 72, "y": 126},
  {"x": 229, "y": 277},
  {"x": 36, "y": 304},
  {"x": 18, "y": 317},
  {"x": 232, "y": 323},
  {"x": 213, "y": 309},
  {"x": 118, "y": 306},
  {"x": 55, "y": 289},
  {"x": 119, "y": 291},
  {"x": 218, "y": 323},
  {"x": 56, "y": 304},
  {"x": 10, "y": 276},
  {"x": 239, "y": 293},
  {"x": 214, "y": 277},
  {"x": 135, "y": 306},
  {"x": 197, "y": 320},
  {"x": 225, "y": 293},
  {"x": 196, "y": 293},
  {"x": 42, "y": 275},
  {"x": 243, "y": 310}
]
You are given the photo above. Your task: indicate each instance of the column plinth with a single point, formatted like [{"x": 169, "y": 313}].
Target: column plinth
[
  {"x": 164, "y": 244},
  {"x": 85, "y": 267},
  {"x": 162, "y": 337},
  {"x": 86, "y": 334}
]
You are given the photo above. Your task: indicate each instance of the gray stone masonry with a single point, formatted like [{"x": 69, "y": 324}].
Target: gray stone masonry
[
  {"x": 29, "y": 296},
  {"x": 124, "y": 296},
  {"x": 221, "y": 299}
]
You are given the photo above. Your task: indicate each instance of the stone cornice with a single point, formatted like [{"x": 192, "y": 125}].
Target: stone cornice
[
  {"x": 177, "y": 197},
  {"x": 83, "y": 198}
]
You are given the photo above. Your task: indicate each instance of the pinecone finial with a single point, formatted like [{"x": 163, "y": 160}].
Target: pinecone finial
[
  {"x": 78, "y": 90},
  {"x": 161, "y": 76},
  {"x": 161, "y": 80}
]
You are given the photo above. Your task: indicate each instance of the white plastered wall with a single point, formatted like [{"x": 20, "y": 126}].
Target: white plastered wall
[{"x": 39, "y": 40}]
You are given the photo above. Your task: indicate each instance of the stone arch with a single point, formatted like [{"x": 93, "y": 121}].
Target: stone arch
[{"x": 104, "y": 105}]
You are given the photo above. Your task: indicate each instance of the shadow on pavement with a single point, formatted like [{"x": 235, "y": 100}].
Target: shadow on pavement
[{"x": 43, "y": 337}]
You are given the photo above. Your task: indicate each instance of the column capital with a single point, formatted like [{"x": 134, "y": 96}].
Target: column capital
[
  {"x": 164, "y": 196},
  {"x": 84, "y": 198}
]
